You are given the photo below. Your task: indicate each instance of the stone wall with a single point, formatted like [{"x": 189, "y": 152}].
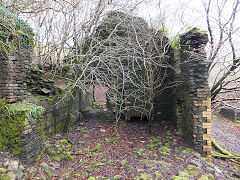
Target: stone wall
[
  {"x": 193, "y": 97},
  {"x": 20, "y": 85},
  {"x": 52, "y": 122},
  {"x": 32, "y": 146},
  {"x": 56, "y": 113},
  {"x": 13, "y": 71},
  {"x": 15, "y": 88}
]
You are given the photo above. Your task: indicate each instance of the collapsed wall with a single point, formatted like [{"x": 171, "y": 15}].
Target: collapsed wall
[
  {"x": 16, "y": 45},
  {"x": 30, "y": 103},
  {"x": 191, "y": 101},
  {"x": 134, "y": 62},
  {"x": 182, "y": 95}
]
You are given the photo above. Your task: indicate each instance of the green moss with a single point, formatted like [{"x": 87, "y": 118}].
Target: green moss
[
  {"x": 188, "y": 151},
  {"x": 206, "y": 177},
  {"x": 59, "y": 127},
  {"x": 203, "y": 177},
  {"x": 100, "y": 164},
  {"x": 123, "y": 162},
  {"x": 40, "y": 156},
  {"x": 179, "y": 178},
  {"x": 100, "y": 178},
  {"x": 146, "y": 177},
  {"x": 91, "y": 178},
  {"x": 12, "y": 125},
  {"x": 96, "y": 148},
  {"x": 192, "y": 168},
  {"x": 192, "y": 173},
  {"x": 68, "y": 157},
  {"x": 5, "y": 177},
  {"x": 3, "y": 170},
  {"x": 66, "y": 175},
  {"x": 178, "y": 158},
  {"x": 117, "y": 177},
  {"x": 56, "y": 158},
  {"x": 73, "y": 121},
  {"x": 158, "y": 175},
  {"x": 79, "y": 152},
  {"x": 176, "y": 43},
  {"x": 50, "y": 152},
  {"x": 64, "y": 141},
  {"x": 85, "y": 135},
  {"x": 42, "y": 133},
  {"x": 109, "y": 140},
  {"x": 165, "y": 149},
  {"x": 14, "y": 118},
  {"x": 211, "y": 177},
  {"x": 77, "y": 175},
  {"x": 32, "y": 111}
]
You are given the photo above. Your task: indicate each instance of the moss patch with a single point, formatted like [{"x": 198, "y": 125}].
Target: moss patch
[{"x": 14, "y": 118}]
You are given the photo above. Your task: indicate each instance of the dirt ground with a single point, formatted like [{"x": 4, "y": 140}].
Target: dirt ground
[{"x": 99, "y": 149}]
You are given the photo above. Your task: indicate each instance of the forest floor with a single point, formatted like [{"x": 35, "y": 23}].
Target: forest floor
[{"x": 98, "y": 150}]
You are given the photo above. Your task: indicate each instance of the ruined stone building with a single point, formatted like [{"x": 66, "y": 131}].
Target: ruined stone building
[{"x": 186, "y": 104}]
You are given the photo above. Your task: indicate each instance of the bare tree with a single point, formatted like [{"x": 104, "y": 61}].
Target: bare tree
[
  {"x": 129, "y": 58},
  {"x": 223, "y": 49}
]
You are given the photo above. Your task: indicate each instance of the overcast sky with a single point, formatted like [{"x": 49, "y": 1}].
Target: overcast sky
[{"x": 180, "y": 14}]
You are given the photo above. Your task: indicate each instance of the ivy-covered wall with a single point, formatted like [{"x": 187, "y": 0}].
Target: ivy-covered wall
[{"x": 16, "y": 44}]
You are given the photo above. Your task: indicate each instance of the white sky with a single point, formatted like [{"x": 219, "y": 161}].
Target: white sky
[
  {"x": 177, "y": 14},
  {"x": 180, "y": 14}
]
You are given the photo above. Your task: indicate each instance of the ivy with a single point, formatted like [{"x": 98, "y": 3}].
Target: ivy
[{"x": 14, "y": 32}]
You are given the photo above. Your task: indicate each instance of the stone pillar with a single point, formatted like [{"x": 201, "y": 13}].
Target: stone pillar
[{"x": 194, "y": 99}]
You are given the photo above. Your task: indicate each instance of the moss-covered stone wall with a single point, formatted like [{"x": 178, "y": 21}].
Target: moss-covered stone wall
[
  {"x": 16, "y": 44},
  {"x": 57, "y": 114},
  {"x": 25, "y": 90}
]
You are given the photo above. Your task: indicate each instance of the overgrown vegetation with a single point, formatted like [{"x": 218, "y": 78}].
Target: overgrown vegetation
[
  {"x": 14, "y": 118},
  {"x": 14, "y": 32}
]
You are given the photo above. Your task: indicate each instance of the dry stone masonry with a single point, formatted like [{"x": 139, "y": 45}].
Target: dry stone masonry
[
  {"x": 13, "y": 71},
  {"x": 193, "y": 99},
  {"x": 20, "y": 89},
  {"x": 189, "y": 107}
]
